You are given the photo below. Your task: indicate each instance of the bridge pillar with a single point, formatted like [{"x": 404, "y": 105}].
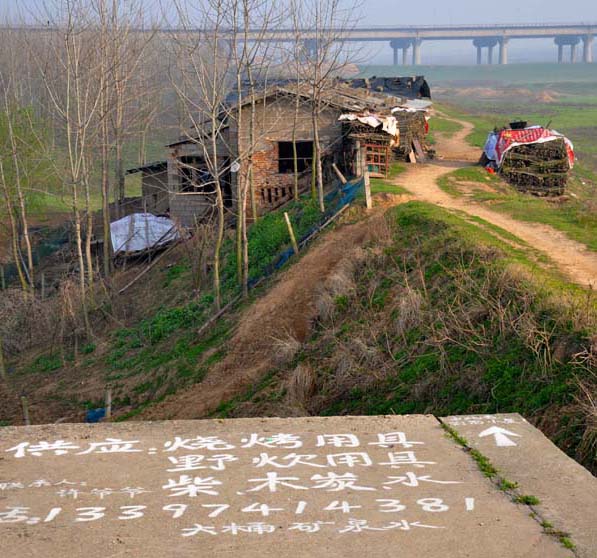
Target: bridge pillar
[
  {"x": 587, "y": 55},
  {"x": 403, "y": 45},
  {"x": 417, "y": 52},
  {"x": 567, "y": 40},
  {"x": 311, "y": 48},
  {"x": 489, "y": 43},
  {"x": 504, "y": 50}
]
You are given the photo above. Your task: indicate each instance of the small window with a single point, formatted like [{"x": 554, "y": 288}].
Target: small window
[{"x": 304, "y": 156}]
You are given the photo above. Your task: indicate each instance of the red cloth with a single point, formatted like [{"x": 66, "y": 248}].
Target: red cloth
[{"x": 509, "y": 138}]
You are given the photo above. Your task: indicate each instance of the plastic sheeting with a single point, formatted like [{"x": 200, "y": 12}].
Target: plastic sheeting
[
  {"x": 141, "y": 231},
  {"x": 499, "y": 143},
  {"x": 414, "y": 105},
  {"x": 388, "y": 123}
]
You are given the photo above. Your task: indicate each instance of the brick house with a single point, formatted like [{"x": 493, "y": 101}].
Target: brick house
[{"x": 184, "y": 184}]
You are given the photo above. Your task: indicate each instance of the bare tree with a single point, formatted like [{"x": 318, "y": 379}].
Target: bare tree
[
  {"x": 69, "y": 71},
  {"x": 251, "y": 56},
  {"x": 14, "y": 232},
  {"x": 328, "y": 22},
  {"x": 16, "y": 179},
  {"x": 121, "y": 53},
  {"x": 201, "y": 82}
]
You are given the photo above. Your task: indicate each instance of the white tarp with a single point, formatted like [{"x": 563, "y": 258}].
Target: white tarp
[
  {"x": 390, "y": 126},
  {"x": 141, "y": 231},
  {"x": 416, "y": 105}
]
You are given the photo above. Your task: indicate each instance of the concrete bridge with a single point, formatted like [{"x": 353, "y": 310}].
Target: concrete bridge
[
  {"x": 409, "y": 39},
  {"x": 488, "y": 37}
]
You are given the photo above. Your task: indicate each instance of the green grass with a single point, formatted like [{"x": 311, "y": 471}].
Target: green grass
[
  {"x": 576, "y": 217},
  {"x": 449, "y": 182},
  {"x": 486, "y": 368},
  {"x": 444, "y": 126},
  {"x": 507, "y": 485},
  {"x": 520, "y": 74},
  {"x": 483, "y": 462},
  {"x": 575, "y": 114},
  {"x": 45, "y": 363},
  {"x": 527, "y": 500},
  {"x": 268, "y": 238},
  {"x": 388, "y": 186}
]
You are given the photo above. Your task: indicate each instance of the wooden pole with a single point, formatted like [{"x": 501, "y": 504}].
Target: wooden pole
[
  {"x": 43, "y": 285},
  {"x": 146, "y": 228},
  {"x": 25, "y": 405},
  {"x": 359, "y": 169},
  {"x": 2, "y": 278},
  {"x": 368, "y": 201},
  {"x": 108, "y": 404},
  {"x": 2, "y": 365},
  {"x": 339, "y": 174},
  {"x": 291, "y": 231}
]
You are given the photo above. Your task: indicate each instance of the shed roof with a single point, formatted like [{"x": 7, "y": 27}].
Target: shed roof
[{"x": 154, "y": 166}]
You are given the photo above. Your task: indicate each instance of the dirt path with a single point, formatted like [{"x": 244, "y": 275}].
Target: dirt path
[
  {"x": 571, "y": 257},
  {"x": 286, "y": 311}
]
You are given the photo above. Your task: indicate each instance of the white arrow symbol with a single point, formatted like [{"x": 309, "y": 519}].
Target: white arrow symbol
[{"x": 501, "y": 436}]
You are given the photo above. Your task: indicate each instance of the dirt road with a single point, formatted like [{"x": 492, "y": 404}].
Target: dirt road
[
  {"x": 283, "y": 314},
  {"x": 572, "y": 258}
]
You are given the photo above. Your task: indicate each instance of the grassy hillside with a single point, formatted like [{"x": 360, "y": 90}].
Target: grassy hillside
[
  {"x": 446, "y": 318},
  {"x": 145, "y": 346}
]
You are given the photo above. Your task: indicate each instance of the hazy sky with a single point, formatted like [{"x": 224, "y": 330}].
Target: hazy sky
[
  {"x": 429, "y": 12},
  {"x": 396, "y": 12},
  {"x": 388, "y": 12}
]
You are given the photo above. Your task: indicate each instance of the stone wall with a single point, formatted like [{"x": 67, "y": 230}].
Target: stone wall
[{"x": 154, "y": 188}]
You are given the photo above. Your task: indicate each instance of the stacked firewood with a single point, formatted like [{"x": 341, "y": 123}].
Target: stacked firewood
[
  {"x": 541, "y": 169},
  {"x": 412, "y": 127}
]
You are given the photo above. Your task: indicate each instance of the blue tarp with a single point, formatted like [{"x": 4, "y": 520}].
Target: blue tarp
[
  {"x": 490, "y": 146},
  {"x": 95, "y": 415},
  {"x": 334, "y": 201}
]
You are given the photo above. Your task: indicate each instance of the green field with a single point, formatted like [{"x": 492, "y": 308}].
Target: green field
[{"x": 510, "y": 74}]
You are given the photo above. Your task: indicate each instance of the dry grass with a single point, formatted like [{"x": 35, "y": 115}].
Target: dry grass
[
  {"x": 285, "y": 348},
  {"x": 301, "y": 385},
  {"x": 27, "y": 322},
  {"x": 587, "y": 401},
  {"x": 409, "y": 311}
]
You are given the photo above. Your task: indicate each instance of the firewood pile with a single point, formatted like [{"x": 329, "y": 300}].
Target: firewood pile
[
  {"x": 412, "y": 127},
  {"x": 541, "y": 169}
]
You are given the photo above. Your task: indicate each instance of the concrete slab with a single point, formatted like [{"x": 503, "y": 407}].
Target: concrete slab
[
  {"x": 567, "y": 491},
  {"x": 336, "y": 487}
]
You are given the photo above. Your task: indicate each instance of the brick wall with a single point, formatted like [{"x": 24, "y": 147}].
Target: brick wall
[
  {"x": 273, "y": 123},
  {"x": 186, "y": 209}
]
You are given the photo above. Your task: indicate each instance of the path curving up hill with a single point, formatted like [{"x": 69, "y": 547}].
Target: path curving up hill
[
  {"x": 288, "y": 309},
  {"x": 572, "y": 258}
]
